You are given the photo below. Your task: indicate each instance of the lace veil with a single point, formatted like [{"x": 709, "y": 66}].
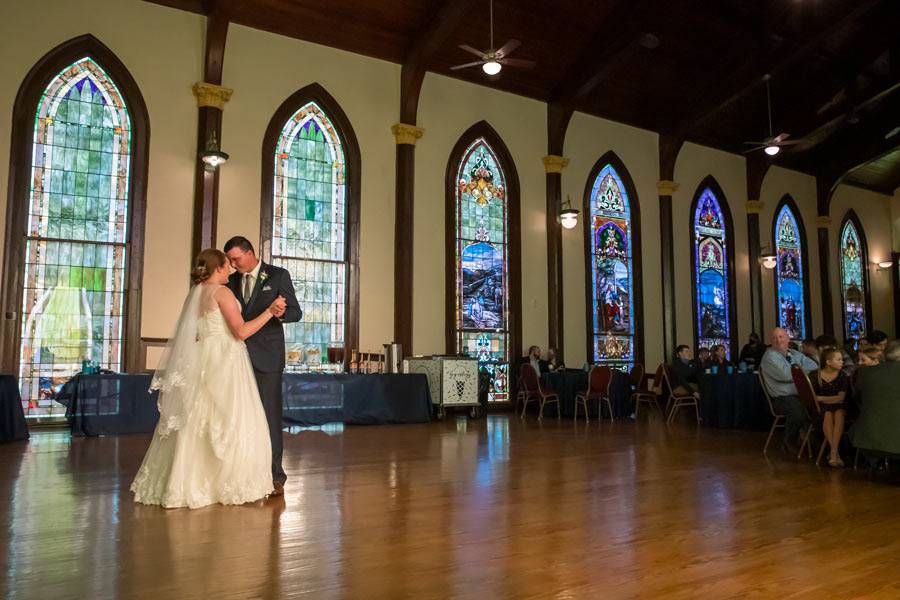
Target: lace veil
[{"x": 178, "y": 374}]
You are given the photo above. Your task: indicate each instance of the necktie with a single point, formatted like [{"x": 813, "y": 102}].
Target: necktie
[{"x": 247, "y": 289}]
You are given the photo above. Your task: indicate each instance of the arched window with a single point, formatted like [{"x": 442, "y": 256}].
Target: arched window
[
  {"x": 612, "y": 230},
  {"x": 712, "y": 268},
  {"x": 310, "y": 224},
  {"x": 855, "y": 300},
  {"x": 73, "y": 260},
  {"x": 483, "y": 277},
  {"x": 791, "y": 285}
]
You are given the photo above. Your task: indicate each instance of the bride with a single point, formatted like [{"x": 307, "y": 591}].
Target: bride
[{"x": 211, "y": 444}]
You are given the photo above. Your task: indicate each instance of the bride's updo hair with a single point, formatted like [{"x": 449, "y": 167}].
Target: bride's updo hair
[{"x": 206, "y": 264}]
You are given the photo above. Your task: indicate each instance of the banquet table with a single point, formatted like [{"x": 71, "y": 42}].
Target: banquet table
[
  {"x": 569, "y": 384},
  {"x": 12, "y": 417},
  {"x": 117, "y": 403},
  {"x": 733, "y": 401}
]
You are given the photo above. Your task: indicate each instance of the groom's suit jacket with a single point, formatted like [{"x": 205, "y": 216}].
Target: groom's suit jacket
[{"x": 266, "y": 346}]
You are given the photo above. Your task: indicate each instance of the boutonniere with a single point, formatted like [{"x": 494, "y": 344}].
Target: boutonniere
[{"x": 263, "y": 276}]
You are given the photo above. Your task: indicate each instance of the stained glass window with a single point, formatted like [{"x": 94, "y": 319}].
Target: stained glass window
[
  {"x": 482, "y": 281},
  {"x": 853, "y": 282},
  {"x": 711, "y": 291},
  {"x": 791, "y": 303},
  {"x": 309, "y": 236},
  {"x": 77, "y": 229},
  {"x": 611, "y": 264}
]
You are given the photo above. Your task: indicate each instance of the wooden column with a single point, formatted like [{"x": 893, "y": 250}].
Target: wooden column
[
  {"x": 553, "y": 167},
  {"x": 756, "y": 172},
  {"x": 666, "y": 188},
  {"x": 211, "y": 99},
  {"x": 895, "y": 277},
  {"x": 823, "y": 224},
  {"x": 406, "y": 136},
  {"x": 754, "y": 207}
]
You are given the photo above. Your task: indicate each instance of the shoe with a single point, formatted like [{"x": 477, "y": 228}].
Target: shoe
[{"x": 279, "y": 489}]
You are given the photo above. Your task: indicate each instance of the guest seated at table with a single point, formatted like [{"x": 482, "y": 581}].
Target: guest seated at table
[
  {"x": 683, "y": 373},
  {"x": 878, "y": 426},
  {"x": 776, "y": 372},
  {"x": 831, "y": 386},
  {"x": 702, "y": 362},
  {"x": 551, "y": 364},
  {"x": 869, "y": 357},
  {"x": 810, "y": 349},
  {"x": 877, "y": 339},
  {"x": 752, "y": 351},
  {"x": 533, "y": 358},
  {"x": 719, "y": 358}
]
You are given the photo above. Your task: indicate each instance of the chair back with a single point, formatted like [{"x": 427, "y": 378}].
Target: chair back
[
  {"x": 666, "y": 384},
  {"x": 598, "y": 381},
  {"x": 658, "y": 378},
  {"x": 805, "y": 391},
  {"x": 762, "y": 384},
  {"x": 529, "y": 378},
  {"x": 636, "y": 376}
]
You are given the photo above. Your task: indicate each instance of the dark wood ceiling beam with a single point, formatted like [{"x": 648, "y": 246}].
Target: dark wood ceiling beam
[
  {"x": 762, "y": 61},
  {"x": 611, "y": 43},
  {"x": 441, "y": 23}
]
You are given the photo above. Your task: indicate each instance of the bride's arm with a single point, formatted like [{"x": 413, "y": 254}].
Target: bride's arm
[{"x": 239, "y": 328}]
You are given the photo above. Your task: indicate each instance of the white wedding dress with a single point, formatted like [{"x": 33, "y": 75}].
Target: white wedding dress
[{"x": 213, "y": 447}]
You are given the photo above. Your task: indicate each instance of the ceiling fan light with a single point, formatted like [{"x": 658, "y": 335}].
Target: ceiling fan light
[
  {"x": 491, "y": 67},
  {"x": 772, "y": 149}
]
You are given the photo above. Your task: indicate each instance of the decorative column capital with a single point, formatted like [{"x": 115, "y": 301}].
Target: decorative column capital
[
  {"x": 823, "y": 222},
  {"x": 554, "y": 163},
  {"x": 666, "y": 187},
  {"x": 406, "y": 134},
  {"x": 209, "y": 94},
  {"x": 754, "y": 207}
]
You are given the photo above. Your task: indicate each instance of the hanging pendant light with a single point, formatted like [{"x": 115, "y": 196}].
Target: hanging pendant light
[
  {"x": 568, "y": 216},
  {"x": 212, "y": 156}
]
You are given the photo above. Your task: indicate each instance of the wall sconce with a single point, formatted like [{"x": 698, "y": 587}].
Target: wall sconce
[
  {"x": 568, "y": 216},
  {"x": 213, "y": 156},
  {"x": 768, "y": 260},
  {"x": 884, "y": 265}
]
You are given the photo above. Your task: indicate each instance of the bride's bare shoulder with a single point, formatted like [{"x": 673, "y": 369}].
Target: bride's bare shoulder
[{"x": 223, "y": 292}]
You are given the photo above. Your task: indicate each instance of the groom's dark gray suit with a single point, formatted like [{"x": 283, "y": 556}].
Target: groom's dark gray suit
[{"x": 266, "y": 346}]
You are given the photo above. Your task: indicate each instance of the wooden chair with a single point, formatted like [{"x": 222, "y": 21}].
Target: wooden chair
[
  {"x": 599, "y": 380},
  {"x": 677, "y": 401},
  {"x": 808, "y": 398},
  {"x": 650, "y": 395},
  {"x": 778, "y": 418},
  {"x": 533, "y": 391}
]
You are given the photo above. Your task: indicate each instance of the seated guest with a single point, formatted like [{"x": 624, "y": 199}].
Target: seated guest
[
  {"x": 702, "y": 361},
  {"x": 718, "y": 357},
  {"x": 877, "y": 339},
  {"x": 682, "y": 373},
  {"x": 810, "y": 349},
  {"x": 551, "y": 364},
  {"x": 533, "y": 358},
  {"x": 776, "y": 367},
  {"x": 752, "y": 351},
  {"x": 830, "y": 385},
  {"x": 878, "y": 426},
  {"x": 869, "y": 357}
]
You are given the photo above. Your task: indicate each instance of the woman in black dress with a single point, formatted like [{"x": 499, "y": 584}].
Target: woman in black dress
[{"x": 830, "y": 384}]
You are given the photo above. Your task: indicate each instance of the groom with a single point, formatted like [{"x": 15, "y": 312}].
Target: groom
[{"x": 257, "y": 285}]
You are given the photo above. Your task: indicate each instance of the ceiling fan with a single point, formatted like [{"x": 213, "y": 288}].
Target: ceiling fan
[
  {"x": 773, "y": 143},
  {"x": 493, "y": 60}
]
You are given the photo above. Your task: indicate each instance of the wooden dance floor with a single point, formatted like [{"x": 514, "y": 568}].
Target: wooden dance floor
[{"x": 493, "y": 508}]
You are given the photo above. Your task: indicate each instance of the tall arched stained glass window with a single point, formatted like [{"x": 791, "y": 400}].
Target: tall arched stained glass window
[
  {"x": 854, "y": 280},
  {"x": 790, "y": 271},
  {"x": 711, "y": 261},
  {"x": 311, "y": 224},
  {"x": 614, "y": 286},
  {"x": 484, "y": 211},
  {"x": 78, "y": 277}
]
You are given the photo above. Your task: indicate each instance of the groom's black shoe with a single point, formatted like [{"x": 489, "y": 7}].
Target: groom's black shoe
[{"x": 279, "y": 489}]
